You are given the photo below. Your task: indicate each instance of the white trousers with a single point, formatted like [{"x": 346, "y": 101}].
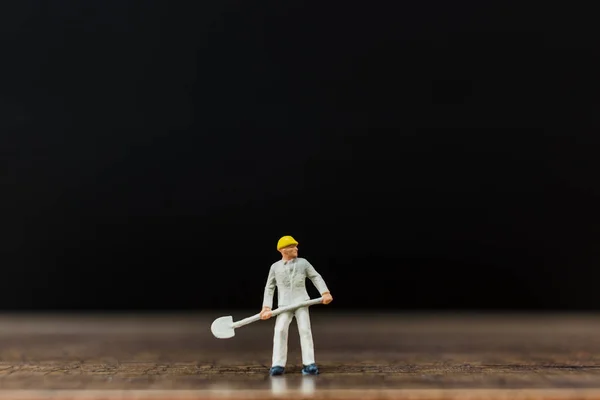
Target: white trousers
[{"x": 280, "y": 338}]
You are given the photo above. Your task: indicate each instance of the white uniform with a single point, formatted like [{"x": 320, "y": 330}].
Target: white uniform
[{"x": 290, "y": 277}]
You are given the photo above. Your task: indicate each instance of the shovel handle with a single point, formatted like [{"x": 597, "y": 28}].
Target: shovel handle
[{"x": 279, "y": 310}]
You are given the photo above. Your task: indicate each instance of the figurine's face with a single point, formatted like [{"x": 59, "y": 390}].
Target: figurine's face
[{"x": 290, "y": 251}]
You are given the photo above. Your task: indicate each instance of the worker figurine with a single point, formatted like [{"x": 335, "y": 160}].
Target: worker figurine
[{"x": 289, "y": 276}]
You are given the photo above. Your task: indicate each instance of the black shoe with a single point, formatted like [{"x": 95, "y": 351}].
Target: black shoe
[
  {"x": 276, "y": 370},
  {"x": 310, "y": 370}
]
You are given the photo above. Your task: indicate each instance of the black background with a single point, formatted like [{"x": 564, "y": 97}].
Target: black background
[{"x": 426, "y": 155}]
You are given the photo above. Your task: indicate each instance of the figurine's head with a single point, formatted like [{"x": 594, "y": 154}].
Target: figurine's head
[{"x": 288, "y": 247}]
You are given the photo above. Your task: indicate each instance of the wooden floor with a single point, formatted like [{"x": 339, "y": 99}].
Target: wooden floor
[{"x": 446, "y": 356}]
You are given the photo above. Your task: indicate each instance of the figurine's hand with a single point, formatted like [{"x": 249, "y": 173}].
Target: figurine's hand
[
  {"x": 327, "y": 298},
  {"x": 265, "y": 313}
]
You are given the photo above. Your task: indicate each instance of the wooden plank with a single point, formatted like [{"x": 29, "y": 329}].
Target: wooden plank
[
  {"x": 408, "y": 394},
  {"x": 360, "y": 356}
]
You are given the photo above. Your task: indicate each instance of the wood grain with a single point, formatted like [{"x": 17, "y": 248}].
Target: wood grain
[{"x": 360, "y": 356}]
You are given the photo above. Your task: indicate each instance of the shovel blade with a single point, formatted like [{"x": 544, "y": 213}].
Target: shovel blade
[{"x": 222, "y": 327}]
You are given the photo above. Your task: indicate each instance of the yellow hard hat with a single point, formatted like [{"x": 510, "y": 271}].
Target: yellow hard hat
[{"x": 285, "y": 241}]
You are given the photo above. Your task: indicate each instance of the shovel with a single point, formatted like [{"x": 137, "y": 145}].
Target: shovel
[{"x": 224, "y": 327}]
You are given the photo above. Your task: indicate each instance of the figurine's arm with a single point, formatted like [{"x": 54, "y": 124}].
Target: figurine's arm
[
  {"x": 269, "y": 292},
  {"x": 319, "y": 283}
]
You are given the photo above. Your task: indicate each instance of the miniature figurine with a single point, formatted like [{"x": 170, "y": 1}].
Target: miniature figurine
[{"x": 289, "y": 276}]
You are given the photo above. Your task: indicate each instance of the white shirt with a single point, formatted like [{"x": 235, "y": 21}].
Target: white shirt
[{"x": 290, "y": 279}]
